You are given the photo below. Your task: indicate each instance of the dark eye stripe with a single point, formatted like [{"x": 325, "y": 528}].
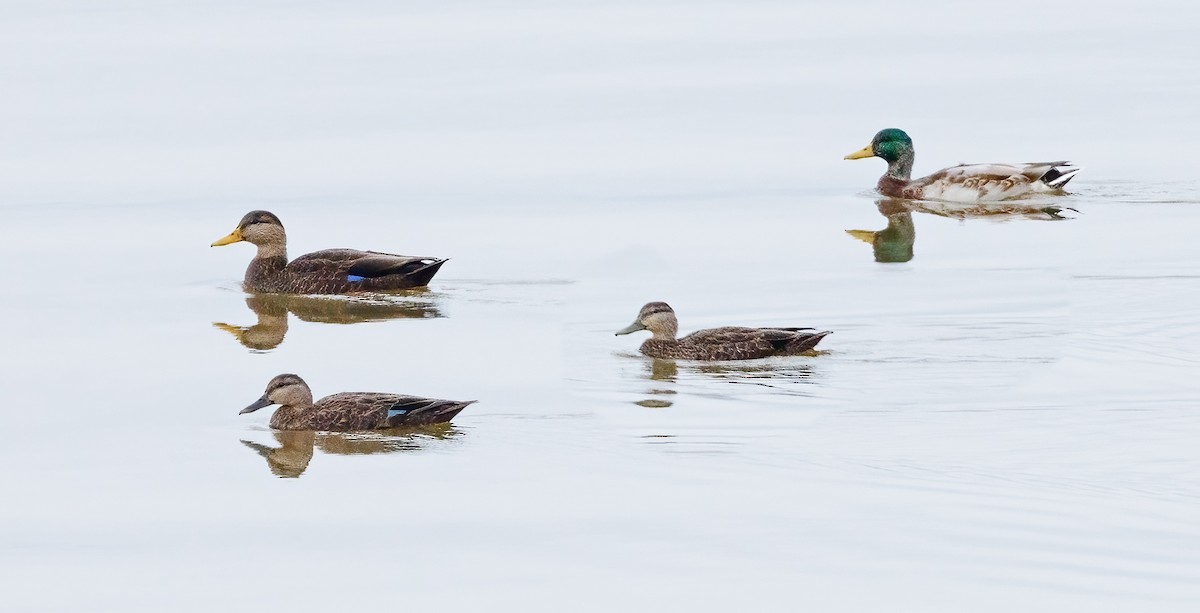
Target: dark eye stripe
[
  {"x": 655, "y": 307},
  {"x": 264, "y": 217},
  {"x": 283, "y": 381}
]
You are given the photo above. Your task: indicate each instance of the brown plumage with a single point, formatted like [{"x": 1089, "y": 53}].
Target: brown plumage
[
  {"x": 349, "y": 411},
  {"x": 726, "y": 343},
  {"x": 332, "y": 271},
  {"x": 979, "y": 182}
]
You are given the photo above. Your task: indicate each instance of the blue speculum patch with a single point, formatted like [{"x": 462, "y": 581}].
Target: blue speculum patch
[
  {"x": 354, "y": 278},
  {"x": 396, "y": 412}
]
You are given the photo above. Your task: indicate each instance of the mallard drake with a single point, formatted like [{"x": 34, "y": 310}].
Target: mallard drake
[
  {"x": 727, "y": 343},
  {"x": 332, "y": 271},
  {"x": 349, "y": 411},
  {"x": 963, "y": 183}
]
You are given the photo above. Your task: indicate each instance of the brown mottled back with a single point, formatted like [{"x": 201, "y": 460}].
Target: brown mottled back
[
  {"x": 366, "y": 411},
  {"x": 734, "y": 343}
]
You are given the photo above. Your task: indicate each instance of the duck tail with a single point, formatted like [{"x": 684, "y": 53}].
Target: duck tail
[
  {"x": 807, "y": 342},
  {"x": 448, "y": 412},
  {"x": 1059, "y": 175},
  {"x": 421, "y": 276},
  {"x": 427, "y": 411}
]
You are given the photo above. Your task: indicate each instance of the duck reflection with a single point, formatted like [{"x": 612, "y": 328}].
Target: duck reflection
[
  {"x": 895, "y": 242},
  {"x": 773, "y": 374},
  {"x": 272, "y": 311},
  {"x": 295, "y": 452},
  {"x": 663, "y": 370},
  {"x": 750, "y": 373}
]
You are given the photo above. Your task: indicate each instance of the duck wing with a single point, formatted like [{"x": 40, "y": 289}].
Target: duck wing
[
  {"x": 994, "y": 182},
  {"x": 350, "y": 411},
  {"x": 415, "y": 410},
  {"x": 737, "y": 343},
  {"x": 740, "y": 343},
  {"x": 373, "y": 264},
  {"x": 370, "y": 269}
]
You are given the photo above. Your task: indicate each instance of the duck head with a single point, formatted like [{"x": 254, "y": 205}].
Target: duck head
[
  {"x": 894, "y": 146},
  {"x": 260, "y": 228},
  {"x": 890, "y": 144},
  {"x": 658, "y": 318},
  {"x": 286, "y": 390}
]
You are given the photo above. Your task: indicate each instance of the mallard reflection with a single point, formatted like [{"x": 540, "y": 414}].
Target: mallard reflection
[
  {"x": 272, "y": 311},
  {"x": 295, "y": 449},
  {"x": 895, "y": 242}
]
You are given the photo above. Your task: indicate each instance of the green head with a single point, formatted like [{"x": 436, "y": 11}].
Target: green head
[
  {"x": 891, "y": 144},
  {"x": 894, "y": 146}
]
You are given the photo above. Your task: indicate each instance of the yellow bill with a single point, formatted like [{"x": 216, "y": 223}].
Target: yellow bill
[
  {"x": 865, "y": 152},
  {"x": 234, "y": 330},
  {"x": 231, "y": 238},
  {"x": 866, "y": 236}
]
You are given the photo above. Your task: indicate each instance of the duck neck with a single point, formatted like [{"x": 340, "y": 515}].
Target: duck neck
[
  {"x": 290, "y": 411},
  {"x": 300, "y": 398},
  {"x": 271, "y": 250},
  {"x": 262, "y": 275},
  {"x": 664, "y": 327},
  {"x": 901, "y": 167}
]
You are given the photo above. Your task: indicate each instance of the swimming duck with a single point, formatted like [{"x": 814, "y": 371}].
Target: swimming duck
[
  {"x": 963, "y": 183},
  {"x": 332, "y": 271},
  {"x": 349, "y": 411},
  {"x": 727, "y": 343}
]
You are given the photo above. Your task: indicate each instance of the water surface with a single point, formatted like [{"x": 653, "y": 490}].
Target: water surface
[{"x": 1004, "y": 419}]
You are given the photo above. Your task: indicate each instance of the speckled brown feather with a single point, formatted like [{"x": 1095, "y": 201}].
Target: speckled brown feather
[
  {"x": 982, "y": 183},
  {"x": 977, "y": 182},
  {"x": 350, "y": 411},
  {"x": 734, "y": 343},
  {"x": 326, "y": 272}
]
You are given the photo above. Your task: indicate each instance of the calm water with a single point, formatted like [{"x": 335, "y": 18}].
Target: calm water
[{"x": 1005, "y": 418}]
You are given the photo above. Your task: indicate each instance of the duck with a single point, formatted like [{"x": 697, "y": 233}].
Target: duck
[
  {"x": 970, "y": 183},
  {"x": 349, "y": 411},
  {"x": 331, "y": 271},
  {"x": 726, "y": 343}
]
